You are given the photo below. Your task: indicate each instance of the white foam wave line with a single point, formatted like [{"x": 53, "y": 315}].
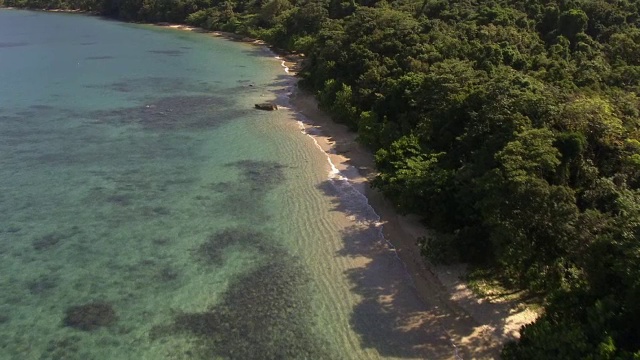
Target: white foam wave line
[
  {"x": 282, "y": 62},
  {"x": 335, "y": 174},
  {"x": 286, "y": 68},
  {"x": 346, "y": 185}
]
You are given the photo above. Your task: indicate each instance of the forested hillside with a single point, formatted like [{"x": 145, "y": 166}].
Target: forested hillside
[{"x": 512, "y": 125}]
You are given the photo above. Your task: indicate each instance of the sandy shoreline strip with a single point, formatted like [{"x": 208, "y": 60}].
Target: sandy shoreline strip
[{"x": 496, "y": 322}]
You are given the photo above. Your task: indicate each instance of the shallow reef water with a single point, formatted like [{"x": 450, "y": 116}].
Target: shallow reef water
[
  {"x": 133, "y": 195},
  {"x": 264, "y": 315}
]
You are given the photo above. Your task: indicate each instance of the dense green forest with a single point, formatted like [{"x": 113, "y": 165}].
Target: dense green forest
[{"x": 512, "y": 125}]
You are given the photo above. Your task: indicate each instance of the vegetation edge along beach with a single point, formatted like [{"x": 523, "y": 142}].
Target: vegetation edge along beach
[{"x": 510, "y": 127}]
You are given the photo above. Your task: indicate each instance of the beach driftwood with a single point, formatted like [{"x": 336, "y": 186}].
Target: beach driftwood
[{"x": 267, "y": 106}]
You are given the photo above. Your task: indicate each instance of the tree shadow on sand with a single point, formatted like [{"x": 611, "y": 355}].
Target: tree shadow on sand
[{"x": 396, "y": 317}]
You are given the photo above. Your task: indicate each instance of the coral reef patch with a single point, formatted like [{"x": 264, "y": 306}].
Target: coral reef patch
[
  {"x": 261, "y": 174},
  {"x": 265, "y": 314},
  {"x": 212, "y": 250},
  {"x": 241, "y": 197},
  {"x": 173, "y": 112},
  {"x": 165, "y": 85},
  {"x": 91, "y": 316}
]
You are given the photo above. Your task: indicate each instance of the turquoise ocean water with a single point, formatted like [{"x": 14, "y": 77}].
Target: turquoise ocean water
[{"x": 148, "y": 212}]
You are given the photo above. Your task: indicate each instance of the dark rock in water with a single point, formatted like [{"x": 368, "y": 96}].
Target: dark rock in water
[
  {"x": 4, "y": 318},
  {"x": 267, "y": 106},
  {"x": 89, "y": 317}
]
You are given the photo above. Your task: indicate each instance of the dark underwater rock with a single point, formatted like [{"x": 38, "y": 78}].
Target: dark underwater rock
[{"x": 266, "y": 106}]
